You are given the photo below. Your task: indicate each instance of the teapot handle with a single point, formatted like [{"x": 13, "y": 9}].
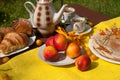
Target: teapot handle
[{"x": 30, "y": 12}]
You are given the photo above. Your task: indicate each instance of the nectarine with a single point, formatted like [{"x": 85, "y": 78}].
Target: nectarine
[
  {"x": 83, "y": 62},
  {"x": 50, "y": 53},
  {"x": 60, "y": 42},
  {"x": 49, "y": 41},
  {"x": 73, "y": 50}
]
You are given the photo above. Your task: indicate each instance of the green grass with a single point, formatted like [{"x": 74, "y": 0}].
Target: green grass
[{"x": 14, "y": 9}]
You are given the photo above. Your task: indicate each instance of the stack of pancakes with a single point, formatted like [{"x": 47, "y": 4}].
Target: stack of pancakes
[{"x": 107, "y": 43}]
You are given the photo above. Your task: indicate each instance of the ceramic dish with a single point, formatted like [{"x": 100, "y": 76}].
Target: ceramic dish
[
  {"x": 88, "y": 29},
  {"x": 32, "y": 40},
  {"x": 98, "y": 55},
  {"x": 63, "y": 60},
  {"x": 69, "y": 21}
]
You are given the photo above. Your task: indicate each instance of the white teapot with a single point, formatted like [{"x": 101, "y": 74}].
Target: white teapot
[{"x": 44, "y": 17}]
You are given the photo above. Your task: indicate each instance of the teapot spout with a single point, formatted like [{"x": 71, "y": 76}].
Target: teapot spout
[{"x": 58, "y": 15}]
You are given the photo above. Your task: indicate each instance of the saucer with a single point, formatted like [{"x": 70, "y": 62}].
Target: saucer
[{"x": 88, "y": 29}]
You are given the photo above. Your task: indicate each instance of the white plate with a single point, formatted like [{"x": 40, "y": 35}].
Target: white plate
[
  {"x": 98, "y": 55},
  {"x": 63, "y": 60},
  {"x": 32, "y": 39},
  {"x": 87, "y": 29}
]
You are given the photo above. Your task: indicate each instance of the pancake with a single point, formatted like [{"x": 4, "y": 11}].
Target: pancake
[{"x": 108, "y": 44}]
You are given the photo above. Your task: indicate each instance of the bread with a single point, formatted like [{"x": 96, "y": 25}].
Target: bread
[
  {"x": 13, "y": 41},
  {"x": 1, "y": 36},
  {"x": 16, "y": 36},
  {"x": 23, "y": 26},
  {"x": 5, "y": 30}
]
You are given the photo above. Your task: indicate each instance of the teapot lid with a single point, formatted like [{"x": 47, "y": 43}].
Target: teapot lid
[{"x": 44, "y": 1}]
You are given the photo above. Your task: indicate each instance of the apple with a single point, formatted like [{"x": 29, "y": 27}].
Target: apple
[
  {"x": 50, "y": 53},
  {"x": 73, "y": 50},
  {"x": 83, "y": 62},
  {"x": 60, "y": 42},
  {"x": 49, "y": 41}
]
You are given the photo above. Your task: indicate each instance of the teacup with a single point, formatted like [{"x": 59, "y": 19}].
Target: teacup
[
  {"x": 68, "y": 14},
  {"x": 78, "y": 24},
  {"x": 77, "y": 19}
]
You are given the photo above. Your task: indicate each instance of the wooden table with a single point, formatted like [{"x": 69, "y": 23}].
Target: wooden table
[
  {"x": 93, "y": 16},
  {"x": 90, "y": 14}
]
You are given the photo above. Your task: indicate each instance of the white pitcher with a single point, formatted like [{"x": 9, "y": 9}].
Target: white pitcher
[{"x": 44, "y": 17}]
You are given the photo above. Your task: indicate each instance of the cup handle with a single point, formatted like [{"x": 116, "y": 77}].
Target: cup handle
[
  {"x": 30, "y": 12},
  {"x": 75, "y": 27}
]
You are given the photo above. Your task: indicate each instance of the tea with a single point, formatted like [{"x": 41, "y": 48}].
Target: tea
[
  {"x": 78, "y": 24},
  {"x": 76, "y": 20}
]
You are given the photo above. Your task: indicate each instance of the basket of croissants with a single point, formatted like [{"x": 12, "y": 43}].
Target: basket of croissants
[{"x": 16, "y": 36}]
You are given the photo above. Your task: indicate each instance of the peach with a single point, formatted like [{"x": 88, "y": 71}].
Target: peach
[
  {"x": 50, "y": 53},
  {"x": 83, "y": 62},
  {"x": 60, "y": 42},
  {"x": 49, "y": 41},
  {"x": 73, "y": 50}
]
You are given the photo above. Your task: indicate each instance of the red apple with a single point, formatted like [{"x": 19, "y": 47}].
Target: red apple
[
  {"x": 49, "y": 41},
  {"x": 83, "y": 62},
  {"x": 60, "y": 42},
  {"x": 50, "y": 53}
]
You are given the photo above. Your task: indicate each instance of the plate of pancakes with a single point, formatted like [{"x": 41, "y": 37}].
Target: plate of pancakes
[{"x": 106, "y": 45}]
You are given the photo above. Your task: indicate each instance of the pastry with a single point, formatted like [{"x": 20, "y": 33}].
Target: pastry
[
  {"x": 13, "y": 41},
  {"x": 1, "y": 36},
  {"x": 5, "y": 30},
  {"x": 23, "y": 26}
]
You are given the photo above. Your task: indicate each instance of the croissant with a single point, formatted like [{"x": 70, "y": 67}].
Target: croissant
[
  {"x": 5, "y": 30},
  {"x": 1, "y": 36},
  {"x": 13, "y": 41},
  {"x": 23, "y": 26}
]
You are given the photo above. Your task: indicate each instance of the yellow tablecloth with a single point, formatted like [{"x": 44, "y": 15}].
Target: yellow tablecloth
[{"x": 28, "y": 66}]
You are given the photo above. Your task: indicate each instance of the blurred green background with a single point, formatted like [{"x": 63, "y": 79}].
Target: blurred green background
[{"x": 14, "y": 9}]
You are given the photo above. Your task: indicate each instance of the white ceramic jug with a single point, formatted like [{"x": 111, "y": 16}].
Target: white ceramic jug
[{"x": 44, "y": 17}]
